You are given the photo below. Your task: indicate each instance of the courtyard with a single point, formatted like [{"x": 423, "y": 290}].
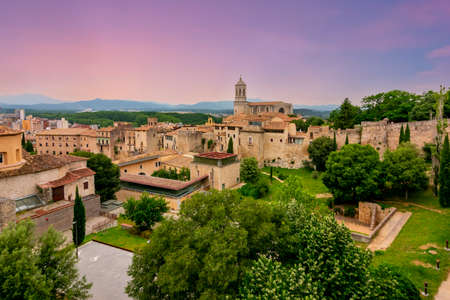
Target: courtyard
[{"x": 106, "y": 267}]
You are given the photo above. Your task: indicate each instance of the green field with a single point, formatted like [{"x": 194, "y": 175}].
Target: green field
[
  {"x": 311, "y": 185},
  {"x": 119, "y": 237},
  {"x": 424, "y": 227}
]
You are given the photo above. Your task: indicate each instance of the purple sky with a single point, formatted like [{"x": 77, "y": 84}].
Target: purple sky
[{"x": 304, "y": 52}]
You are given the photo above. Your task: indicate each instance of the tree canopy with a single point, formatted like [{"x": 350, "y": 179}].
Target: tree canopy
[
  {"x": 146, "y": 211},
  {"x": 319, "y": 149},
  {"x": 38, "y": 268},
  {"x": 444, "y": 175},
  {"x": 346, "y": 116},
  {"x": 249, "y": 170},
  {"x": 404, "y": 170},
  {"x": 353, "y": 174},
  {"x": 107, "y": 174},
  {"x": 222, "y": 246}
]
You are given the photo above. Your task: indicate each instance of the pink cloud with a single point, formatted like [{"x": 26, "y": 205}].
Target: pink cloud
[{"x": 440, "y": 52}]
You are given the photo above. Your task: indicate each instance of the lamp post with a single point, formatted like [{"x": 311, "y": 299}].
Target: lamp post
[{"x": 74, "y": 223}]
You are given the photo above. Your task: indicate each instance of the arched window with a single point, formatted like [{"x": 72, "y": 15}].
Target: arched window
[{"x": 281, "y": 110}]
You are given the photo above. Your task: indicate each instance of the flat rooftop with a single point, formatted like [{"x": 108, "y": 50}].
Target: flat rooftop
[
  {"x": 157, "y": 182},
  {"x": 106, "y": 267}
]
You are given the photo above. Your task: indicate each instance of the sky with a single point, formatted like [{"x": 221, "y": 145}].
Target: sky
[{"x": 303, "y": 52}]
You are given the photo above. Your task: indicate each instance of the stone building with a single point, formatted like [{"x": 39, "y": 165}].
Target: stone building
[
  {"x": 144, "y": 164},
  {"x": 43, "y": 186},
  {"x": 242, "y": 106},
  {"x": 64, "y": 141},
  {"x": 222, "y": 169},
  {"x": 10, "y": 149}
]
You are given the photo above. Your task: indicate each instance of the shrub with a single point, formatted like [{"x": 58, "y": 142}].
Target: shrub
[
  {"x": 350, "y": 212},
  {"x": 315, "y": 174},
  {"x": 249, "y": 170},
  {"x": 282, "y": 176},
  {"x": 330, "y": 203},
  {"x": 256, "y": 190}
]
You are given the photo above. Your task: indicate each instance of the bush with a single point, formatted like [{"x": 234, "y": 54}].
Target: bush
[
  {"x": 282, "y": 176},
  {"x": 249, "y": 171},
  {"x": 315, "y": 174},
  {"x": 256, "y": 190},
  {"x": 146, "y": 211},
  {"x": 330, "y": 203},
  {"x": 350, "y": 212}
]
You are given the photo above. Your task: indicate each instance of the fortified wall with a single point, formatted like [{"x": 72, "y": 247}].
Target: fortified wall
[{"x": 384, "y": 134}]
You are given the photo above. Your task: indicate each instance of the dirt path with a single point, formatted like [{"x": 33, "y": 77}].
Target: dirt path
[
  {"x": 389, "y": 231},
  {"x": 416, "y": 205},
  {"x": 444, "y": 290},
  {"x": 268, "y": 174}
]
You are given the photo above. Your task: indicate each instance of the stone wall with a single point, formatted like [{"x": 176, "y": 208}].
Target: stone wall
[
  {"x": 366, "y": 209},
  {"x": 61, "y": 217},
  {"x": 7, "y": 212}
]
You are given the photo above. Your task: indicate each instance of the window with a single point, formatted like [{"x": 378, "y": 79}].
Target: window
[
  {"x": 250, "y": 140},
  {"x": 1, "y": 158},
  {"x": 86, "y": 185},
  {"x": 223, "y": 186},
  {"x": 140, "y": 167},
  {"x": 54, "y": 152},
  {"x": 281, "y": 140},
  {"x": 125, "y": 170},
  {"x": 142, "y": 173},
  {"x": 237, "y": 179},
  {"x": 17, "y": 154},
  {"x": 271, "y": 140}
]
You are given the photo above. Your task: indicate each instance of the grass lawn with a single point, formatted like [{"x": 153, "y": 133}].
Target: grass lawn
[
  {"x": 117, "y": 236},
  {"x": 313, "y": 186},
  {"x": 423, "y": 227}
]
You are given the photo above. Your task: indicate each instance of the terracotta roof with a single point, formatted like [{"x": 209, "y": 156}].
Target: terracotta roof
[
  {"x": 142, "y": 157},
  {"x": 41, "y": 162},
  {"x": 70, "y": 177},
  {"x": 275, "y": 125},
  {"x": 8, "y": 131},
  {"x": 299, "y": 134},
  {"x": 164, "y": 183},
  {"x": 215, "y": 155},
  {"x": 106, "y": 129},
  {"x": 68, "y": 131}
]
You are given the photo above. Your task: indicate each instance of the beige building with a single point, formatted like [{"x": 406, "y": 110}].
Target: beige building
[
  {"x": 10, "y": 149},
  {"x": 64, "y": 141},
  {"x": 222, "y": 169},
  {"x": 43, "y": 185},
  {"x": 144, "y": 164},
  {"x": 242, "y": 106}
]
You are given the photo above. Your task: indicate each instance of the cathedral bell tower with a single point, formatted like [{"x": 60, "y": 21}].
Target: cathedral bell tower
[{"x": 240, "y": 98}]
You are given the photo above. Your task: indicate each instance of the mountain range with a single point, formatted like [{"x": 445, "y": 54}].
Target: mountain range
[{"x": 44, "y": 103}]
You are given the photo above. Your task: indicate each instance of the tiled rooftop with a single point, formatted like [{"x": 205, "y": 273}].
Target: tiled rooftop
[
  {"x": 8, "y": 131},
  {"x": 215, "y": 155},
  {"x": 41, "y": 162},
  {"x": 68, "y": 131},
  {"x": 70, "y": 177}
]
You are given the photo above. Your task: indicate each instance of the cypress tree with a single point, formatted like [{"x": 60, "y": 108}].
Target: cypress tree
[
  {"x": 79, "y": 218},
  {"x": 407, "y": 137},
  {"x": 23, "y": 140},
  {"x": 444, "y": 175},
  {"x": 402, "y": 135},
  {"x": 346, "y": 139},
  {"x": 230, "y": 146},
  {"x": 334, "y": 142}
]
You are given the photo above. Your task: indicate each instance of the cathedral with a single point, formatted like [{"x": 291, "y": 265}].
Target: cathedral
[{"x": 242, "y": 106}]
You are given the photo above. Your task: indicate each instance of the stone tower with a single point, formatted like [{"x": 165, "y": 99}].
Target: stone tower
[{"x": 240, "y": 98}]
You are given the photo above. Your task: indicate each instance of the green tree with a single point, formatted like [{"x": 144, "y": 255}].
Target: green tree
[
  {"x": 230, "y": 146},
  {"x": 404, "y": 169},
  {"x": 314, "y": 121},
  {"x": 203, "y": 253},
  {"x": 407, "y": 136},
  {"x": 353, "y": 174},
  {"x": 300, "y": 125},
  {"x": 38, "y": 268},
  {"x": 249, "y": 171},
  {"x": 210, "y": 144},
  {"x": 346, "y": 139},
  {"x": 79, "y": 220},
  {"x": 424, "y": 108},
  {"x": 23, "y": 140},
  {"x": 345, "y": 116},
  {"x": 394, "y": 105},
  {"x": 401, "y": 139},
  {"x": 319, "y": 149},
  {"x": 444, "y": 175},
  {"x": 146, "y": 211},
  {"x": 107, "y": 174}
]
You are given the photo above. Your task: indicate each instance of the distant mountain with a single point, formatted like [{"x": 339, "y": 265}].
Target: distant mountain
[
  {"x": 28, "y": 99},
  {"x": 325, "y": 107},
  {"x": 43, "y": 103}
]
